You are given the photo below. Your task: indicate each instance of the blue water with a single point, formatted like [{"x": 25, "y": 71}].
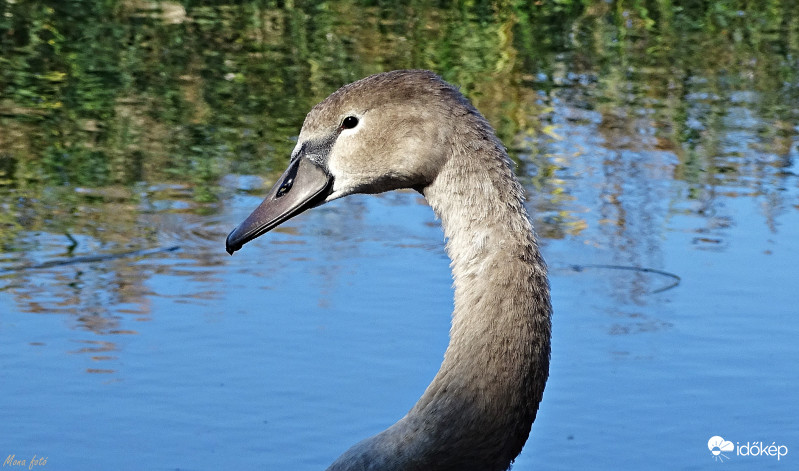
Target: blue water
[{"x": 328, "y": 329}]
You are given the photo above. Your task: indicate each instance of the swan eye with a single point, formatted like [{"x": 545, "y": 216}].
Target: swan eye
[{"x": 349, "y": 122}]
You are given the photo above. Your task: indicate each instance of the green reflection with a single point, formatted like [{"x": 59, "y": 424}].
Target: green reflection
[{"x": 108, "y": 94}]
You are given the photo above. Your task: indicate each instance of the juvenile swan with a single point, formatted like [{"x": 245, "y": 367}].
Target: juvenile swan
[{"x": 410, "y": 129}]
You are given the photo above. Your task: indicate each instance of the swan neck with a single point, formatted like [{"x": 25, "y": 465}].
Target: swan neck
[
  {"x": 477, "y": 412},
  {"x": 497, "y": 362}
]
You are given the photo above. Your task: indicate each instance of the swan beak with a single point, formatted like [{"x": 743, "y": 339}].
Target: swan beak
[{"x": 302, "y": 186}]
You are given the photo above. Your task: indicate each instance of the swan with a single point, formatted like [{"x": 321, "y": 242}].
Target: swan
[{"x": 411, "y": 129}]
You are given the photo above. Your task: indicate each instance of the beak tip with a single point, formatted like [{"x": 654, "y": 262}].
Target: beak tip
[{"x": 230, "y": 248}]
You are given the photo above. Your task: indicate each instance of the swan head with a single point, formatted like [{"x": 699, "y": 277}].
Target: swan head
[{"x": 385, "y": 132}]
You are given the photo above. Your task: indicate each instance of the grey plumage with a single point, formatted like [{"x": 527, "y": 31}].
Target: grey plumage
[{"x": 417, "y": 131}]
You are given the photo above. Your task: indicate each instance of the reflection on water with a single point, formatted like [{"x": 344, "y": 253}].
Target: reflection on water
[{"x": 654, "y": 143}]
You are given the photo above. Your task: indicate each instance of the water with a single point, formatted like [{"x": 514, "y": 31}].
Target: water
[{"x": 126, "y": 330}]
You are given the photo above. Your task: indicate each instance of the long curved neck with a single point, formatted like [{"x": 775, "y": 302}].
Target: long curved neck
[{"x": 477, "y": 412}]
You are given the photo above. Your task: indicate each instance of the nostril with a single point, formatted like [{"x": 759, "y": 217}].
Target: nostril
[
  {"x": 288, "y": 182},
  {"x": 285, "y": 187}
]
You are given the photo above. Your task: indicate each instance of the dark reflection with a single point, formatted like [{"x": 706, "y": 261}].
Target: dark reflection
[{"x": 130, "y": 126}]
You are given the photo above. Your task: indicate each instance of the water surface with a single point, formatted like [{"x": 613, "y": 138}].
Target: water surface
[{"x": 658, "y": 148}]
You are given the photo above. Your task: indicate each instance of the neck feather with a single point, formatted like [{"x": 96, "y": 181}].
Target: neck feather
[
  {"x": 477, "y": 412},
  {"x": 497, "y": 361}
]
